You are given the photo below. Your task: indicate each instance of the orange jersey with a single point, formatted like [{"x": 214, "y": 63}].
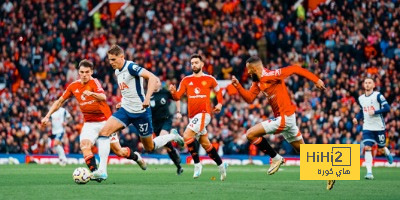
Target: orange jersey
[
  {"x": 93, "y": 110},
  {"x": 198, "y": 91},
  {"x": 272, "y": 84}
]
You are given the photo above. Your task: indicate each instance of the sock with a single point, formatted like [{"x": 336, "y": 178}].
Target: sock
[
  {"x": 387, "y": 152},
  {"x": 277, "y": 157},
  {"x": 174, "y": 155},
  {"x": 212, "y": 153},
  {"x": 60, "y": 152},
  {"x": 264, "y": 146},
  {"x": 104, "y": 151},
  {"x": 368, "y": 161},
  {"x": 162, "y": 140},
  {"x": 131, "y": 155},
  {"x": 91, "y": 162},
  {"x": 193, "y": 149}
]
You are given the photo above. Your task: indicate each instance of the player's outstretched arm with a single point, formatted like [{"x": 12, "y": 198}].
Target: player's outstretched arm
[
  {"x": 177, "y": 94},
  {"x": 247, "y": 95},
  {"x": 153, "y": 84},
  {"x": 295, "y": 69},
  {"x": 56, "y": 105}
]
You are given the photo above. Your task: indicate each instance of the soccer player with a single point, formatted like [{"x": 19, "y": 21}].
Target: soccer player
[
  {"x": 162, "y": 121},
  {"x": 58, "y": 120},
  {"x": 91, "y": 98},
  {"x": 134, "y": 107},
  {"x": 272, "y": 84},
  {"x": 373, "y": 105},
  {"x": 197, "y": 88}
]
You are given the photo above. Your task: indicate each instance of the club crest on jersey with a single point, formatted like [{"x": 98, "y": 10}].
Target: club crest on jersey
[
  {"x": 197, "y": 90},
  {"x": 123, "y": 86},
  {"x": 204, "y": 83}
]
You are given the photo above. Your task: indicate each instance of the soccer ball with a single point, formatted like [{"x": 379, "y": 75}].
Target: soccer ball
[{"x": 81, "y": 175}]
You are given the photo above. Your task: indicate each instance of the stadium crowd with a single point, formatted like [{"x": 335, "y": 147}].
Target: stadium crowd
[{"x": 42, "y": 42}]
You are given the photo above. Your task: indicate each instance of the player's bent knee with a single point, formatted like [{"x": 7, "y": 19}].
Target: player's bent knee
[
  {"x": 56, "y": 142},
  {"x": 250, "y": 135},
  {"x": 85, "y": 144}
]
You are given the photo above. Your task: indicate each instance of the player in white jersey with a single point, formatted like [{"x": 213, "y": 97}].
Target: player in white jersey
[
  {"x": 58, "y": 120},
  {"x": 134, "y": 107},
  {"x": 373, "y": 105}
]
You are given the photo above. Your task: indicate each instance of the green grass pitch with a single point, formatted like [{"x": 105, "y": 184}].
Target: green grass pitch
[{"x": 161, "y": 182}]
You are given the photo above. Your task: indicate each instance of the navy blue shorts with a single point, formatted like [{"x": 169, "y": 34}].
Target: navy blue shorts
[
  {"x": 374, "y": 137},
  {"x": 57, "y": 136},
  {"x": 141, "y": 121}
]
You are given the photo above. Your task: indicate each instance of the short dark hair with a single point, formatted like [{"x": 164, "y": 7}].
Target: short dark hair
[
  {"x": 86, "y": 63},
  {"x": 115, "y": 50},
  {"x": 195, "y": 55},
  {"x": 253, "y": 59},
  {"x": 369, "y": 78}
]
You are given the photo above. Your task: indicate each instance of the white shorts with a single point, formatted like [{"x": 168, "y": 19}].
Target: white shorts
[
  {"x": 90, "y": 131},
  {"x": 286, "y": 126},
  {"x": 199, "y": 123}
]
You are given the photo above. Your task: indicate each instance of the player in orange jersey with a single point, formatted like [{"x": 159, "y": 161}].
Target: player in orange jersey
[
  {"x": 197, "y": 88},
  {"x": 91, "y": 98},
  {"x": 272, "y": 84}
]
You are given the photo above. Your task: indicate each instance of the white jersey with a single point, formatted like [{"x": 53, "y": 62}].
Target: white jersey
[
  {"x": 131, "y": 85},
  {"x": 57, "y": 120},
  {"x": 374, "y": 101}
]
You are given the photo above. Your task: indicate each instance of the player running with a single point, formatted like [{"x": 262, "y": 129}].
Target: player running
[
  {"x": 373, "y": 105},
  {"x": 92, "y": 102},
  {"x": 58, "y": 121},
  {"x": 197, "y": 88},
  {"x": 272, "y": 84},
  {"x": 134, "y": 107},
  {"x": 162, "y": 121}
]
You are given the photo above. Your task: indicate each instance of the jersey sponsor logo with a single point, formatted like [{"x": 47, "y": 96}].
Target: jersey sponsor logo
[
  {"x": 197, "y": 90},
  {"x": 86, "y": 103},
  {"x": 200, "y": 96},
  {"x": 191, "y": 83},
  {"x": 368, "y": 108},
  {"x": 123, "y": 86},
  {"x": 276, "y": 72}
]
